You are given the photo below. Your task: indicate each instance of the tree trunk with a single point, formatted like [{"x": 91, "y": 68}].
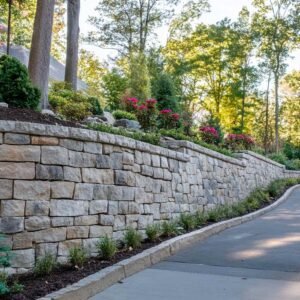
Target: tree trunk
[
  {"x": 276, "y": 113},
  {"x": 267, "y": 116},
  {"x": 72, "y": 43},
  {"x": 39, "y": 59},
  {"x": 9, "y": 27}
]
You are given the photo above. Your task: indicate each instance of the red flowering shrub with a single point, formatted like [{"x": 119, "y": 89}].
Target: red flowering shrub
[
  {"x": 209, "y": 135},
  {"x": 168, "y": 119},
  {"x": 131, "y": 104},
  {"x": 239, "y": 141},
  {"x": 146, "y": 113}
]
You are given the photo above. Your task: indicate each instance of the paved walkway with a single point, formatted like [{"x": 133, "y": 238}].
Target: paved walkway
[{"x": 256, "y": 260}]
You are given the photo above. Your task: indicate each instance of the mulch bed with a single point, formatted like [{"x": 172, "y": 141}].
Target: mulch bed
[
  {"x": 37, "y": 287},
  {"x": 28, "y": 115}
]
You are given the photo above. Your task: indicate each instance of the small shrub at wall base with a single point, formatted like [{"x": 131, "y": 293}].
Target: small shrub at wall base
[
  {"x": 121, "y": 114},
  {"x": 45, "y": 265},
  {"x": 77, "y": 257},
  {"x": 107, "y": 248},
  {"x": 132, "y": 239},
  {"x": 153, "y": 232},
  {"x": 169, "y": 229},
  {"x": 188, "y": 222}
]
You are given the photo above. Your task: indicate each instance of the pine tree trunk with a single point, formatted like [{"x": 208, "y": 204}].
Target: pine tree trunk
[
  {"x": 9, "y": 27},
  {"x": 72, "y": 43},
  {"x": 39, "y": 60},
  {"x": 276, "y": 113},
  {"x": 267, "y": 116}
]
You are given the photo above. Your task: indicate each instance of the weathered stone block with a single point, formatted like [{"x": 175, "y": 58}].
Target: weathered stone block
[
  {"x": 155, "y": 160},
  {"x": 125, "y": 178},
  {"x": 71, "y": 144},
  {"x": 72, "y": 174},
  {"x": 11, "y": 170},
  {"x": 62, "y": 190},
  {"x": 91, "y": 245},
  {"x": 43, "y": 140},
  {"x": 143, "y": 197},
  {"x": 82, "y": 159},
  {"x": 20, "y": 153},
  {"x": 12, "y": 208},
  {"x": 54, "y": 155},
  {"x": 98, "y": 206},
  {"x": 116, "y": 161},
  {"x": 91, "y": 175},
  {"x": 147, "y": 171},
  {"x": 50, "y": 235},
  {"x": 144, "y": 221},
  {"x": 16, "y": 139},
  {"x": 84, "y": 191},
  {"x": 103, "y": 162},
  {"x": 64, "y": 247},
  {"x": 120, "y": 223},
  {"x": 95, "y": 148},
  {"x": 86, "y": 220},
  {"x": 164, "y": 162},
  {"x": 107, "y": 220},
  {"x": 37, "y": 208},
  {"x": 100, "y": 231},
  {"x": 128, "y": 159},
  {"x": 37, "y": 223},
  {"x": 32, "y": 190},
  {"x": 123, "y": 208},
  {"x": 77, "y": 232},
  {"x": 11, "y": 224},
  {"x": 22, "y": 240},
  {"x": 46, "y": 248},
  {"x": 23, "y": 258},
  {"x": 113, "y": 207},
  {"x": 6, "y": 189},
  {"x": 68, "y": 208},
  {"x": 62, "y": 221},
  {"x": 49, "y": 172}
]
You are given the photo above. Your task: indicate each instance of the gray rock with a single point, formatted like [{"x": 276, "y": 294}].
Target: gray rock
[
  {"x": 11, "y": 224},
  {"x": 49, "y": 172},
  {"x": 3, "y": 104},
  {"x": 108, "y": 118},
  {"x": 48, "y": 112},
  {"x": 129, "y": 124},
  {"x": 16, "y": 139},
  {"x": 68, "y": 208},
  {"x": 37, "y": 223}
]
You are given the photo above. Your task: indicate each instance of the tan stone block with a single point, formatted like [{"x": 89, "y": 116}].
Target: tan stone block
[
  {"x": 37, "y": 223},
  {"x": 22, "y": 240},
  {"x": 54, "y": 155},
  {"x": 43, "y": 140},
  {"x": 62, "y": 190},
  {"x": 12, "y": 208},
  {"x": 77, "y": 232},
  {"x": 11, "y": 170},
  {"x": 50, "y": 235},
  {"x": 20, "y": 153},
  {"x": 37, "y": 208},
  {"x": 64, "y": 247},
  {"x": 32, "y": 190},
  {"x": 91, "y": 175},
  {"x": 86, "y": 220},
  {"x": 100, "y": 231},
  {"x": 6, "y": 189}
]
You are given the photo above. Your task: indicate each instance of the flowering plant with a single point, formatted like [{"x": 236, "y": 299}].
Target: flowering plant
[
  {"x": 209, "y": 134},
  {"x": 131, "y": 104},
  {"x": 239, "y": 141},
  {"x": 168, "y": 119}
]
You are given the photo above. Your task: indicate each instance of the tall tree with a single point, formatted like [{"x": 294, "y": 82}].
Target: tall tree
[
  {"x": 39, "y": 59},
  {"x": 72, "y": 43},
  {"x": 277, "y": 24}
]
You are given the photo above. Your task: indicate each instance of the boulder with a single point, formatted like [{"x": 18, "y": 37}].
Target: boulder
[
  {"x": 3, "y": 104},
  {"x": 108, "y": 118},
  {"x": 129, "y": 124}
]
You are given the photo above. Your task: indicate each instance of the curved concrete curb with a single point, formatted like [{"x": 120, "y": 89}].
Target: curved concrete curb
[{"x": 93, "y": 284}]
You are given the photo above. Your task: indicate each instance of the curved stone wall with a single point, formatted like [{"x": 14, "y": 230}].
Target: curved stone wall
[{"x": 63, "y": 187}]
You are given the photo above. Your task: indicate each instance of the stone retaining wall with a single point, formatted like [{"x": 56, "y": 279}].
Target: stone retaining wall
[{"x": 63, "y": 187}]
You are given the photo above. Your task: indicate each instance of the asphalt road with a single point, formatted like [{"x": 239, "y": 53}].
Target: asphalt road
[{"x": 256, "y": 260}]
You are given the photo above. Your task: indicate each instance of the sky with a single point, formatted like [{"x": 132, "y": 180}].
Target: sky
[{"x": 219, "y": 10}]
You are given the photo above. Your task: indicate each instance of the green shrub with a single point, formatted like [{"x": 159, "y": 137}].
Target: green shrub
[
  {"x": 107, "y": 248},
  {"x": 200, "y": 218},
  {"x": 122, "y": 114},
  {"x": 72, "y": 105},
  {"x": 132, "y": 238},
  {"x": 239, "y": 209},
  {"x": 16, "y": 288},
  {"x": 216, "y": 214},
  {"x": 276, "y": 188},
  {"x": 45, "y": 265},
  {"x": 169, "y": 229},
  {"x": 153, "y": 232},
  {"x": 187, "y": 221},
  {"x": 4, "y": 289},
  {"x": 16, "y": 88},
  {"x": 77, "y": 257}
]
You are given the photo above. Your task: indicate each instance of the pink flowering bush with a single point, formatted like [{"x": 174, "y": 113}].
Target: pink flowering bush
[
  {"x": 131, "y": 104},
  {"x": 209, "y": 135},
  {"x": 168, "y": 119},
  {"x": 239, "y": 142}
]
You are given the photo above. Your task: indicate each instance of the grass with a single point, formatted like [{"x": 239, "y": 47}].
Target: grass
[
  {"x": 77, "y": 257},
  {"x": 132, "y": 238},
  {"x": 45, "y": 265},
  {"x": 107, "y": 248}
]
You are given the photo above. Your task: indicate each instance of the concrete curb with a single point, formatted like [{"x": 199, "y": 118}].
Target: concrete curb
[{"x": 94, "y": 284}]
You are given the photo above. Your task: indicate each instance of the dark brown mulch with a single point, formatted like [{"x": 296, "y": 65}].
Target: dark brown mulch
[
  {"x": 37, "y": 287},
  {"x": 28, "y": 115}
]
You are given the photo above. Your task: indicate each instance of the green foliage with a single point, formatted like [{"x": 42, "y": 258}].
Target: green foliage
[
  {"x": 151, "y": 138},
  {"x": 201, "y": 218},
  {"x": 121, "y": 114},
  {"x": 5, "y": 252},
  {"x": 169, "y": 229},
  {"x": 114, "y": 86},
  {"x": 291, "y": 151},
  {"x": 153, "y": 232},
  {"x": 163, "y": 90},
  {"x": 72, "y": 105},
  {"x": 107, "y": 248},
  {"x": 45, "y": 265},
  {"x": 16, "y": 88},
  {"x": 77, "y": 256},
  {"x": 16, "y": 288},
  {"x": 280, "y": 157},
  {"x": 187, "y": 221},
  {"x": 4, "y": 289},
  {"x": 132, "y": 238}
]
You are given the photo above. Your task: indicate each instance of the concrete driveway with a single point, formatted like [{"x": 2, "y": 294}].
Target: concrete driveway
[{"x": 256, "y": 260}]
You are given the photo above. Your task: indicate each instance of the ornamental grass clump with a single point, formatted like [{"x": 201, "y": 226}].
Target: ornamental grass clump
[
  {"x": 77, "y": 257},
  {"x": 169, "y": 229},
  {"x": 132, "y": 238},
  {"x": 45, "y": 265},
  {"x": 187, "y": 221},
  {"x": 107, "y": 248},
  {"x": 153, "y": 232}
]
